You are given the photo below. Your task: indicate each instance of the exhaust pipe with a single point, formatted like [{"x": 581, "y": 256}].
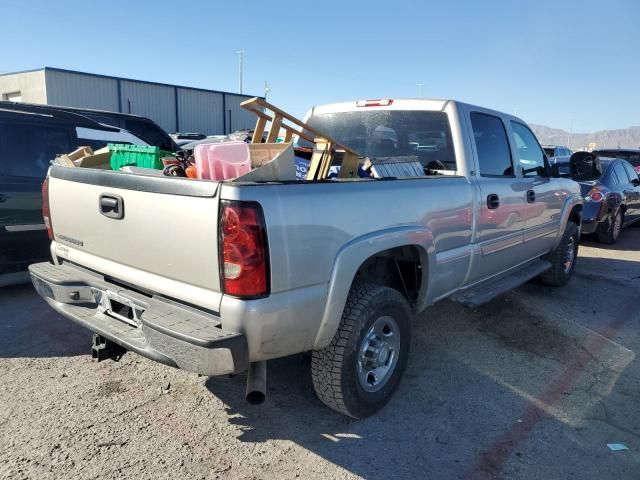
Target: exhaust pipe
[{"x": 256, "y": 383}]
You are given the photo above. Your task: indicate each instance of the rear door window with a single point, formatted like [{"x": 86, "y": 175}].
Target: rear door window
[
  {"x": 494, "y": 155},
  {"x": 618, "y": 169},
  {"x": 149, "y": 133},
  {"x": 530, "y": 155},
  {"x": 26, "y": 149},
  {"x": 633, "y": 175},
  {"x": 614, "y": 178}
]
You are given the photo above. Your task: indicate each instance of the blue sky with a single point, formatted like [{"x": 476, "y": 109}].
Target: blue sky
[{"x": 558, "y": 63}]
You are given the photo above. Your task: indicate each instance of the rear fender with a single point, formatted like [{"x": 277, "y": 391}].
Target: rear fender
[
  {"x": 352, "y": 255},
  {"x": 570, "y": 202}
]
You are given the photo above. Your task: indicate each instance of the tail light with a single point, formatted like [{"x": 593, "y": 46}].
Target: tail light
[
  {"x": 594, "y": 195},
  {"x": 46, "y": 212},
  {"x": 244, "y": 268}
]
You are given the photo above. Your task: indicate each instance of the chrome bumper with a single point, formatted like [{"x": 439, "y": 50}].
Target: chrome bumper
[{"x": 154, "y": 327}]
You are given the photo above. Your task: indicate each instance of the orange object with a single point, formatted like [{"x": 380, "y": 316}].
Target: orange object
[{"x": 191, "y": 171}]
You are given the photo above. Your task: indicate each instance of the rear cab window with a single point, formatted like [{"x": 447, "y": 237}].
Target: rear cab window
[
  {"x": 423, "y": 136},
  {"x": 492, "y": 146}
]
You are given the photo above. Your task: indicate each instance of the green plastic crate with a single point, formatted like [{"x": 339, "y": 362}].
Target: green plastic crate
[{"x": 144, "y": 156}]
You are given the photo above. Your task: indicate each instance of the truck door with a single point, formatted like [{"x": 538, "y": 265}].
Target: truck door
[
  {"x": 543, "y": 199},
  {"x": 500, "y": 222}
]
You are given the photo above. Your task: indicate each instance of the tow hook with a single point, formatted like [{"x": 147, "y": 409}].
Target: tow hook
[{"x": 103, "y": 349}]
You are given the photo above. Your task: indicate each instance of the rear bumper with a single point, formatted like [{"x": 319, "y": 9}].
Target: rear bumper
[
  {"x": 159, "y": 329},
  {"x": 593, "y": 214}
]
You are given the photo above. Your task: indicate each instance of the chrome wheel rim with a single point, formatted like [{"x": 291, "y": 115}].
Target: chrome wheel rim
[
  {"x": 378, "y": 354},
  {"x": 570, "y": 255},
  {"x": 617, "y": 226}
]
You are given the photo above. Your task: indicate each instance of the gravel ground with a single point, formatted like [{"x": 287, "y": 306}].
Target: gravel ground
[{"x": 532, "y": 385}]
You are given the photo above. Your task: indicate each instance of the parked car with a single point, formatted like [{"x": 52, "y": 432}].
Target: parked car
[
  {"x": 557, "y": 154},
  {"x": 629, "y": 154},
  {"x": 611, "y": 201},
  {"x": 336, "y": 267},
  {"x": 30, "y": 137},
  {"x": 181, "y": 138},
  {"x": 142, "y": 127}
]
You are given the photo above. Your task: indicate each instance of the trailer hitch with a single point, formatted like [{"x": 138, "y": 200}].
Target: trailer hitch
[{"x": 103, "y": 349}]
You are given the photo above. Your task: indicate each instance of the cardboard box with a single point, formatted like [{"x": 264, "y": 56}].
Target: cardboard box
[
  {"x": 100, "y": 159},
  {"x": 271, "y": 162}
]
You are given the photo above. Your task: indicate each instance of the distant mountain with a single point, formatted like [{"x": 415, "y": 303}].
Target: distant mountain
[{"x": 623, "y": 138}]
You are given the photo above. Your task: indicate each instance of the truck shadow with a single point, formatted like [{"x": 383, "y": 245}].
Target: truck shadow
[
  {"x": 470, "y": 403},
  {"x": 30, "y": 328}
]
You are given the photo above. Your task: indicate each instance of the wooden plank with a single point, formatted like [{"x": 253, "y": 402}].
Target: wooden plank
[
  {"x": 323, "y": 152},
  {"x": 325, "y": 165},
  {"x": 259, "y": 130},
  {"x": 349, "y": 168},
  {"x": 317, "y": 159},
  {"x": 254, "y": 103},
  {"x": 274, "y": 130}
]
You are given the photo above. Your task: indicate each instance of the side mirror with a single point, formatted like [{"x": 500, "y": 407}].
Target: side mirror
[
  {"x": 585, "y": 166},
  {"x": 636, "y": 182},
  {"x": 555, "y": 170}
]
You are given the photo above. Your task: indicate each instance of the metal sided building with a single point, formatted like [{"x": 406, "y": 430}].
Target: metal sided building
[{"x": 173, "y": 107}]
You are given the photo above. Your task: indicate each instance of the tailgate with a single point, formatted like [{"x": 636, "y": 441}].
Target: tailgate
[{"x": 166, "y": 240}]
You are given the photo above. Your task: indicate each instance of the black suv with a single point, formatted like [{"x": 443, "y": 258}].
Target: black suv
[
  {"x": 30, "y": 137},
  {"x": 142, "y": 127}
]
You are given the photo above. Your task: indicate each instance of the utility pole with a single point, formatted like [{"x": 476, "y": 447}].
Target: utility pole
[
  {"x": 420, "y": 89},
  {"x": 266, "y": 89},
  {"x": 569, "y": 134},
  {"x": 240, "y": 53}
]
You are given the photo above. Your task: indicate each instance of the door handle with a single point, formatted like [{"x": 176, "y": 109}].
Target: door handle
[
  {"x": 493, "y": 201},
  {"x": 111, "y": 206},
  {"x": 531, "y": 196}
]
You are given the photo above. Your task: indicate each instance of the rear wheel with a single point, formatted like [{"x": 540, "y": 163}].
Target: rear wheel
[
  {"x": 563, "y": 257},
  {"x": 358, "y": 372},
  {"x": 611, "y": 233}
]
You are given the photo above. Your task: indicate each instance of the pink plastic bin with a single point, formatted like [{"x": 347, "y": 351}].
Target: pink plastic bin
[{"x": 222, "y": 161}]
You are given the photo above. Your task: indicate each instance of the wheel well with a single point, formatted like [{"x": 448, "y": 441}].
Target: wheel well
[
  {"x": 400, "y": 268},
  {"x": 576, "y": 215}
]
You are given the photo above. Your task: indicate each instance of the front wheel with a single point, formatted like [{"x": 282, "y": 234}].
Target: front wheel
[
  {"x": 358, "y": 372},
  {"x": 563, "y": 257}
]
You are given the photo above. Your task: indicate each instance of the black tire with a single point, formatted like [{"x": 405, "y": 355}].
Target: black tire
[
  {"x": 334, "y": 369},
  {"x": 560, "y": 272},
  {"x": 610, "y": 232}
]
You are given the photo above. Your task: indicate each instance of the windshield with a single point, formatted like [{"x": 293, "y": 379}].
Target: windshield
[{"x": 395, "y": 133}]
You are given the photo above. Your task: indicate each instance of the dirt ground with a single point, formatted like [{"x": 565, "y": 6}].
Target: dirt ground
[{"x": 532, "y": 385}]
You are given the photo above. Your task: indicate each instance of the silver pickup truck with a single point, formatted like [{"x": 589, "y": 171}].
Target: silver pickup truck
[{"x": 218, "y": 277}]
